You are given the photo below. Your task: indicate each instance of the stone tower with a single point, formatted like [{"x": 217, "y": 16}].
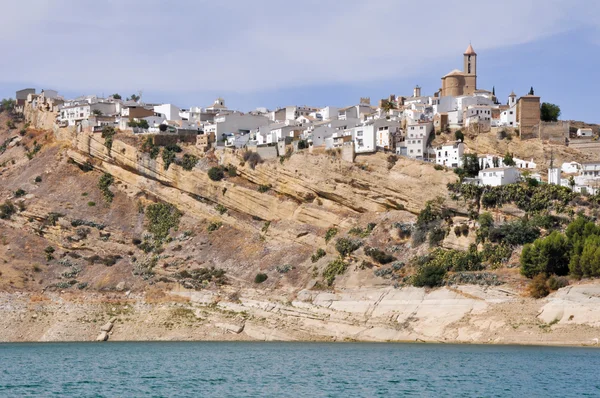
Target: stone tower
[{"x": 470, "y": 70}]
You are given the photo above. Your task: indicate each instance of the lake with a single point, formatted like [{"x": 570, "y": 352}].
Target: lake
[{"x": 207, "y": 369}]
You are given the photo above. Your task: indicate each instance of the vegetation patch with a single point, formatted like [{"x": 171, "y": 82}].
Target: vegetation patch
[
  {"x": 213, "y": 226},
  {"x": 320, "y": 253},
  {"x": 346, "y": 246},
  {"x": 7, "y": 209},
  {"x": 201, "y": 277},
  {"x": 188, "y": 162},
  {"x": 379, "y": 255},
  {"x": 252, "y": 158},
  {"x": 108, "y": 133},
  {"x": 260, "y": 278},
  {"x": 330, "y": 234},
  {"x": 216, "y": 173},
  {"x": 363, "y": 233},
  {"x": 106, "y": 180},
  {"x": 162, "y": 217},
  {"x": 333, "y": 269}
]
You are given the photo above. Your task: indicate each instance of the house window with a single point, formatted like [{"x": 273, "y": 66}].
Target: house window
[
  {"x": 359, "y": 133},
  {"x": 511, "y": 112}
]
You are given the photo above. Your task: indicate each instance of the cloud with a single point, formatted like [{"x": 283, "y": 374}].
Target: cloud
[{"x": 247, "y": 46}]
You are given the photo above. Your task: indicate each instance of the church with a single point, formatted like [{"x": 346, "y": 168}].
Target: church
[{"x": 457, "y": 83}]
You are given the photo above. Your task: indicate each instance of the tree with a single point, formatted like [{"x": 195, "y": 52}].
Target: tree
[
  {"x": 7, "y": 104},
  {"x": 459, "y": 136},
  {"x": 549, "y": 255},
  {"x": 216, "y": 173},
  {"x": 97, "y": 112},
  {"x": 163, "y": 128},
  {"x": 549, "y": 112},
  {"x": 135, "y": 98},
  {"x": 116, "y": 96},
  {"x": 572, "y": 182},
  {"x": 508, "y": 159},
  {"x": 471, "y": 165},
  {"x": 387, "y": 105}
]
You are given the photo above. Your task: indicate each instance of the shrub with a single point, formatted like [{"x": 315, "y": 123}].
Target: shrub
[
  {"x": 7, "y": 209},
  {"x": 221, "y": 209},
  {"x": 538, "y": 288},
  {"x": 330, "y": 234},
  {"x": 264, "y": 188},
  {"x": 438, "y": 167},
  {"x": 163, "y": 128},
  {"x": 104, "y": 185},
  {"x": 49, "y": 251},
  {"x": 557, "y": 282},
  {"x": 363, "y": 233},
  {"x": 260, "y": 278},
  {"x": 213, "y": 226},
  {"x": 515, "y": 233},
  {"x": 20, "y": 193},
  {"x": 320, "y": 253},
  {"x": 161, "y": 218},
  {"x": 168, "y": 157},
  {"x": 346, "y": 246},
  {"x": 38, "y": 179},
  {"x": 91, "y": 204},
  {"x": 302, "y": 144},
  {"x": 436, "y": 236},
  {"x": 429, "y": 276},
  {"x": 216, "y": 173},
  {"x": 85, "y": 167},
  {"x": 252, "y": 158},
  {"x": 378, "y": 255},
  {"x": 459, "y": 136},
  {"x": 108, "y": 134},
  {"x": 231, "y": 171},
  {"x": 189, "y": 162},
  {"x": 334, "y": 268}
]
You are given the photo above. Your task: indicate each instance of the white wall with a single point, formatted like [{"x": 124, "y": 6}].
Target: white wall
[
  {"x": 495, "y": 177},
  {"x": 170, "y": 111},
  {"x": 450, "y": 155}
]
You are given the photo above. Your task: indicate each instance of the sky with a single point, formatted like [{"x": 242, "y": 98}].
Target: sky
[{"x": 272, "y": 53}]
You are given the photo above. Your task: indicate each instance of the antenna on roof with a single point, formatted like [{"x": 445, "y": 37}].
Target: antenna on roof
[{"x": 140, "y": 95}]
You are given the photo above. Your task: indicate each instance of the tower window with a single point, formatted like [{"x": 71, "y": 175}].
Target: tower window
[{"x": 469, "y": 67}]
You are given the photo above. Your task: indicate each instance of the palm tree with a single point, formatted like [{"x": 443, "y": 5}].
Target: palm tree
[{"x": 387, "y": 106}]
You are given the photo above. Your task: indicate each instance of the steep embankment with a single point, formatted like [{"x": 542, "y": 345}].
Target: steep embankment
[{"x": 98, "y": 270}]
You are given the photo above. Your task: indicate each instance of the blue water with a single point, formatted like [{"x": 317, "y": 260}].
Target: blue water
[{"x": 295, "y": 370}]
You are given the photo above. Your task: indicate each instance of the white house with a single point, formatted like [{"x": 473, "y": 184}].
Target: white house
[
  {"x": 329, "y": 113},
  {"x": 585, "y": 133},
  {"x": 364, "y": 138},
  {"x": 75, "y": 113},
  {"x": 570, "y": 167},
  {"x": 450, "y": 155},
  {"x": 324, "y": 130},
  {"x": 417, "y": 135},
  {"x": 499, "y": 176},
  {"x": 236, "y": 123},
  {"x": 490, "y": 161},
  {"x": 508, "y": 117},
  {"x": 170, "y": 111},
  {"x": 481, "y": 114}
]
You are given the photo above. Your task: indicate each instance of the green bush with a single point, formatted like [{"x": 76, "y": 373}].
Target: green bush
[
  {"x": 436, "y": 236},
  {"x": 363, "y": 233},
  {"x": 91, "y": 204},
  {"x": 231, "y": 171},
  {"x": 429, "y": 276},
  {"x": 38, "y": 179},
  {"x": 515, "y": 233},
  {"x": 318, "y": 255},
  {"x": 260, "y": 278},
  {"x": 438, "y": 167},
  {"x": 333, "y": 269},
  {"x": 20, "y": 193},
  {"x": 379, "y": 255},
  {"x": 459, "y": 136},
  {"x": 216, "y": 173},
  {"x": 221, "y": 209},
  {"x": 49, "y": 251},
  {"x": 557, "y": 282},
  {"x": 189, "y": 162},
  {"x": 346, "y": 246},
  {"x": 330, "y": 234},
  {"x": 108, "y": 134},
  {"x": 7, "y": 209},
  {"x": 213, "y": 226},
  {"x": 168, "y": 157},
  {"x": 162, "y": 217},
  {"x": 264, "y": 188},
  {"x": 106, "y": 180}
]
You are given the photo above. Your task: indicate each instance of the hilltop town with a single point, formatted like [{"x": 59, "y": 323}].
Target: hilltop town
[
  {"x": 456, "y": 216},
  {"x": 402, "y": 125}
]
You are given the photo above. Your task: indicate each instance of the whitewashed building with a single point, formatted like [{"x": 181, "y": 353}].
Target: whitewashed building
[
  {"x": 585, "y": 133},
  {"x": 450, "y": 155},
  {"x": 417, "y": 135},
  {"x": 508, "y": 117},
  {"x": 170, "y": 111},
  {"x": 499, "y": 176}
]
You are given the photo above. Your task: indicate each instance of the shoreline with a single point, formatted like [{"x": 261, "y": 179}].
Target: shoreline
[{"x": 459, "y": 315}]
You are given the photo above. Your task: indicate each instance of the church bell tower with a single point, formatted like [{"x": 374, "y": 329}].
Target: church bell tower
[{"x": 470, "y": 70}]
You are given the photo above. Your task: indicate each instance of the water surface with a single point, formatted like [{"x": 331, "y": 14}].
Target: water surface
[{"x": 295, "y": 370}]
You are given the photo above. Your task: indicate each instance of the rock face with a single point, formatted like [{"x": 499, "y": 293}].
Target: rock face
[
  {"x": 310, "y": 189},
  {"x": 107, "y": 327}
]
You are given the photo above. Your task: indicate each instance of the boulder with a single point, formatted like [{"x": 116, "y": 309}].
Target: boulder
[
  {"x": 103, "y": 336},
  {"x": 107, "y": 327},
  {"x": 231, "y": 328}
]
